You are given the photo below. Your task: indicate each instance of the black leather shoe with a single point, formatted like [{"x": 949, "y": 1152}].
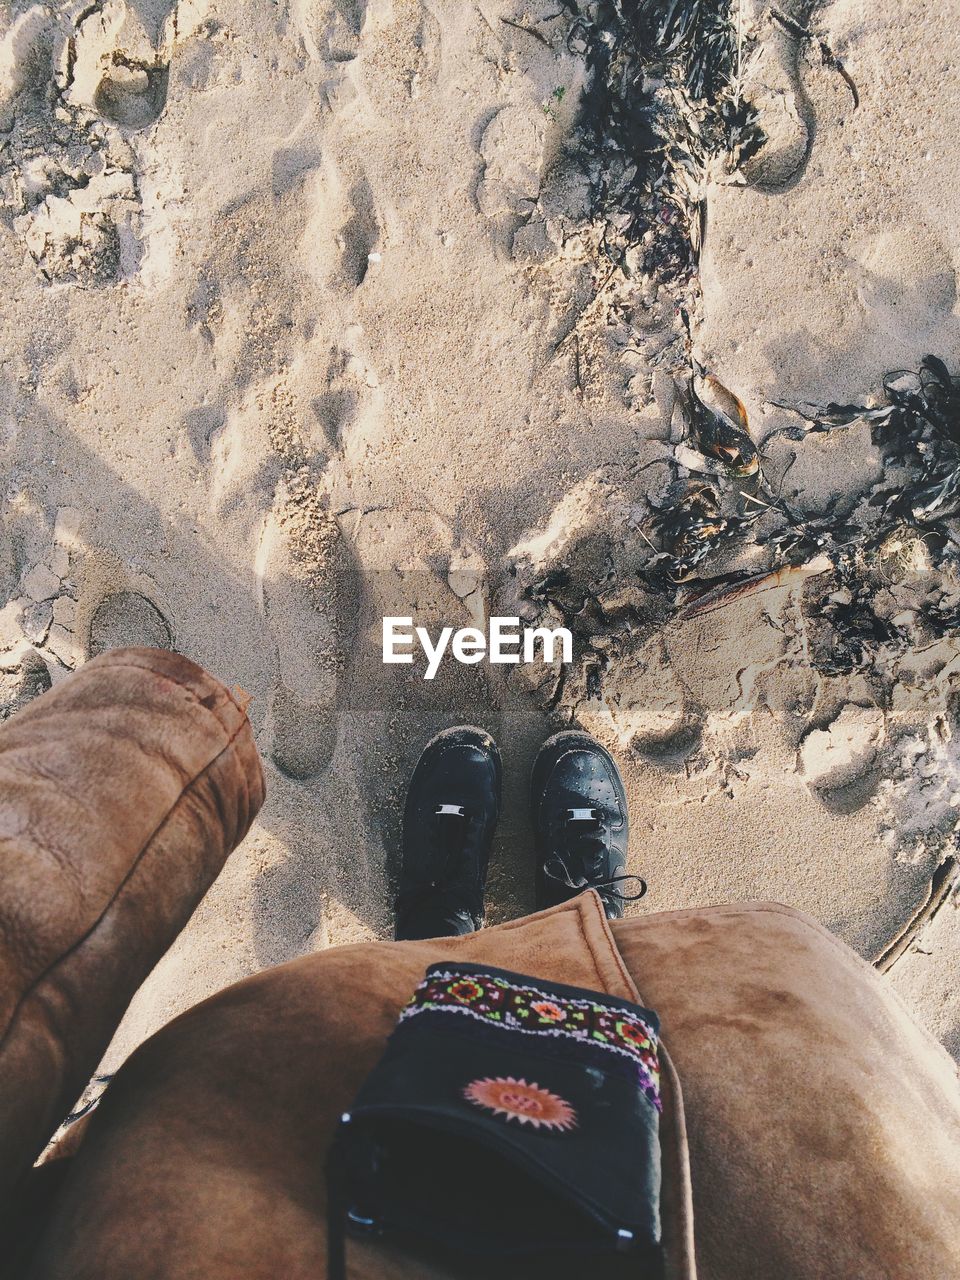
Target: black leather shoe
[
  {"x": 453, "y": 803},
  {"x": 581, "y": 823}
]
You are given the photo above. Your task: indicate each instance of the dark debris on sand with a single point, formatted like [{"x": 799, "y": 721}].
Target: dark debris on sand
[
  {"x": 908, "y": 521},
  {"x": 662, "y": 105},
  {"x": 886, "y": 562},
  {"x": 662, "y": 115}
]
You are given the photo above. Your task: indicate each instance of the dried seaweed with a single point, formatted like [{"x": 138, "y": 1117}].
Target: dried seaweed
[
  {"x": 905, "y": 527},
  {"x": 691, "y": 528},
  {"x": 663, "y": 113},
  {"x": 917, "y": 431},
  {"x": 827, "y": 56},
  {"x": 530, "y": 31},
  {"x": 827, "y": 417},
  {"x": 719, "y": 430},
  {"x": 661, "y": 106}
]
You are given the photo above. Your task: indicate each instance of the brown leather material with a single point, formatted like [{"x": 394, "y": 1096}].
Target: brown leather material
[
  {"x": 122, "y": 791},
  {"x": 824, "y": 1125},
  {"x": 206, "y": 1156},
  {"x": 676, "y": 1200}
]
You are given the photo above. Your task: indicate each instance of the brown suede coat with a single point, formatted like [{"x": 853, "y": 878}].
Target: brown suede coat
[{"x": 824, "y": 1127}]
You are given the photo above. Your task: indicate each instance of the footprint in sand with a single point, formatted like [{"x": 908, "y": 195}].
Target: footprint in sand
[
  {"x": 350, "y": 410},
  {"x": 132, "y": 95},
  {"x": 840, "y": 762},
  {"x": 905, "y": 281},
  {"x": 127, "y": 618},
  {"x": 428, "y": 42},
  {"x": 306, "y": 588},
  {"x": 291, "y": 166},
  {"x": 82, "y": 82},
  {"x": 201, "y": 427},
  {"x": 773, "y": 85},
  {"x": 415, "y": 565},
  {"x": 650, "y": 709},
  {"x": 331, "y": 29},
  {"x": 359, "y": 235},
  {"x": 114, "y": 68},
  {"x": 512, "y": 151},
  {"x": 641, "y": 704},
  {"x": 344, "y": 230},
  {"x": 337, "y": 406}
]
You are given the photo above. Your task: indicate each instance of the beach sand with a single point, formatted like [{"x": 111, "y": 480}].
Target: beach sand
[{"x": 284, "y": 287}]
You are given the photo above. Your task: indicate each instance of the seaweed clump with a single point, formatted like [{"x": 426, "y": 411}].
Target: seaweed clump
[
  {"x": 884, "y": 562},
  {"x": 907, "y": 526},
  {"x": 664, "y": 103},
  {"x": 663, "y": 116}
]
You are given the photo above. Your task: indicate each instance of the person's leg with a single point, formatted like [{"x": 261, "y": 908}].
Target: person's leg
[
  {"x": 122, "y": 791},
  {"x": 579, "y": 809},
  {"x": 452, "y": 807}
]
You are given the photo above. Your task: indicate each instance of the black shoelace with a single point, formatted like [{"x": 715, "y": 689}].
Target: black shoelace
[{"x": 581, "y": 861}]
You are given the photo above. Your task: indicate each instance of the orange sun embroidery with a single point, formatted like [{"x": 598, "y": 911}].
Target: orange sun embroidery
[
  {"x": 548, "y": 1011},
  {"x": 526, "y": 1103}
]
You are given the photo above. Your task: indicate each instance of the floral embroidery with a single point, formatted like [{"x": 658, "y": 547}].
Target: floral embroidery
[
  {"x": 465, "y": 990},
  {"x": 608, "y": 1033},
  {"x": 630, "y": 1031},
  {"x": 526, "y": 1103},
  {"x": 548, "y": 1010}
]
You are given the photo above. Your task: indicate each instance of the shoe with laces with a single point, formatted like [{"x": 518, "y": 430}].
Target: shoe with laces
[
  {"x": 452, "y": 807},
  {"x": 580, "y": 819}
]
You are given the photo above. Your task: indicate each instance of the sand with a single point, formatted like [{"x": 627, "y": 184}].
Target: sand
[{"x": 283, "y": 291}]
